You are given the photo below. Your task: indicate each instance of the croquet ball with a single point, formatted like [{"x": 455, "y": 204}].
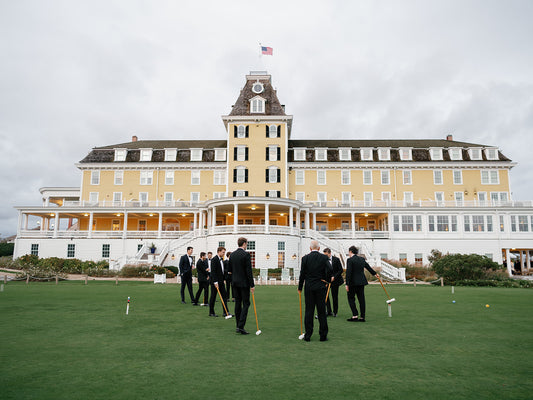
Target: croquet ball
[
  {"x": 486, "y": 305},
  {"x": 453, "y": 301}
]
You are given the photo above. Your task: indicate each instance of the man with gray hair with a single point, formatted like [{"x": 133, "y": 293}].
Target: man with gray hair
[{"x": 316, "y": 274}]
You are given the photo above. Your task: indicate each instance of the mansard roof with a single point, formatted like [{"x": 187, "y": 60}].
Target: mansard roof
[{"x": 272, "y": 104}]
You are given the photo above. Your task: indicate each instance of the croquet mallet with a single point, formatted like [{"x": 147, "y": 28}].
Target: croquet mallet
[
  {"x": 228, "y": 315},
  {"x": 258, "y": 332},
  {"x": 389, "y": 300}
]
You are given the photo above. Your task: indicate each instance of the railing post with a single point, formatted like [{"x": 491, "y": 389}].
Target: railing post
[
  {"x": 414, "y": 281},
  {"x": 86, "y": 279},
  {"x": 441, "y": 281},
  {"x": 27, "y": 279},
  {"x": 57, "y": 279}
]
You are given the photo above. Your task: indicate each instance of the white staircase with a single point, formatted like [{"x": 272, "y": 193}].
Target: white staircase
[
  {"x": 388, "y": 271},
  {"x": 334, "y": 245}
]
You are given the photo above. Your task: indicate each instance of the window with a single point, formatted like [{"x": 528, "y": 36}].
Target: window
[
  {"x": 383, "y": 256},
  {"x": 346, "y": 198},
  {"x": 466, "y": 221},
  {"x": 402, "y": 257},
  {"x": 240, "y": 193},
  {"x": 439, "y": 198},
  {"x": 95, "y": 177},
  {"x": 345, "y": 177},
  {"x": 523, "y": 225},
  {"x": 345, "y": 154},
  {"x": 405, "y": 153},
  {"x": 407, "y": 223},
  {"x": 117, "y": 198},
  {"x": 475, "y": 154},
  {"x": 273, "y": 193},
  {"x": 490, "y": 177},
  {"x": 250, "y": 248},
  {"x": 219, "y": 177},
  {"x": 170, "y": 154},
  {"x": 321, "y": 154},
  {"x": 169, "y": 177},
  {"x": 34, "y": 249},
  {"x": 367, "y": 177},
  {"x": 241, "y": 131},
  {"x": 459, "y": 198},
  {"x": 385, "y": 177},
  {"x": 502, "y": 224},
  {"x": 419, "y": 223},
  {"x": 386, "y": 197},
  {"x": 143, "y": 198},
  {"x": 240, "y": 175},
  {"x": 435, "y": 153},
  {"x": 478, "y": 223},
  {"x": 220, "y": 154},
  {"x": 320, "y": 177},
  {"x": 71, "y": 250},
  {"x": 366, "y": 154},
  {"x": 455, "y": 153},
  {"x": 257, "y": 105},
  {"x": 219, "y": 195},
  {"x": 257, "y": 87},
  {"x": 300, "y": 177},
  {"x": 513, "y": 223},
  {"x": 273, "y": 153},
  {"x": 419, "y": 258},
  {"x": 196, "y": 154},
  {"x": 119, "y": 177},
  {"x": 368, "y": 198},
  {"x": 384, "y": 153},
  {"x": 491, "y": 154},
  {"x": 195, "y": 197},
  {"x": 240, "y": 153},
  {"x": 146, "y": 154},
  {"x": 489, "y": 223},
  {"x": 115, "y": 225},
  {"x": 281, "y": 259},
  {"x": 445, "y": 223},
  {"x": 457, "y": 177},
  {"x": 146, "y": 177},
  {"x": 120, "y": 154},
  {"x": 195, "y": 177},
  {"x": 169, "y": 198},
  {"x": 93, "y": 197},
  {"x": 273, "y": 175},
  {"x": 273, "y": 131},
  {"x": 300, "y": 196},
  {"x": 106, "y": 249},
  {"x": 437, "y": 177},
  {"x": 498, "y": 198},
  {"x": 322, "y": 197},
  {"x": 299, "y": 154},
  {"x": 408, "y": 198},
  {"x": 407, "y": 179}
]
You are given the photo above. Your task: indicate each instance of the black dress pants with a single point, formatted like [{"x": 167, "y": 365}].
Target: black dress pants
[
  {"x": 360, "y": 292},
  {"x": 186, "y": 280},
  {"x": 213, "y": 298},
  {"x": 316, "y": 298},
  {"x": 202, "y": 286},
  {"x": 333, "y": 296},
  {"x": 242, "y": 304}
]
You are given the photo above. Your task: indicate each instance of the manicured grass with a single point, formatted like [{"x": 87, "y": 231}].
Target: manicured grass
[{"x": 73, "y": 341}]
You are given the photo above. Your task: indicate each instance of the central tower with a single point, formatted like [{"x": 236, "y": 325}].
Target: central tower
[{"x": 258, "y": 132}]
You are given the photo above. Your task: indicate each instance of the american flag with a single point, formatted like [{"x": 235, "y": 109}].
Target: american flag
[{"x": 267, "y": 51}]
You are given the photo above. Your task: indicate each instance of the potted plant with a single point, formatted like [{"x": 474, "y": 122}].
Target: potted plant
[
  {"x": 160, "y": 274},
  {"x": 152, "y": 248}
]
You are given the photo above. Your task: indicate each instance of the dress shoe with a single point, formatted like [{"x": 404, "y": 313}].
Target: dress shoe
[
  {"x": 353, "y": 319},
  {"x": 323, "y": 339},
  {"x": 243, "y": 332},
  {"x": 213, "y": 315},
  {"x": 334, "y": 315},
  {"x": 361, "y": 320},
  {"x": 183, "y": 302},
  {"x": 316, "y": 316},
  {"x": 195, "y": 304},
  {"x": 307, "y": 339},
  {"x": 203, "y": 304}
]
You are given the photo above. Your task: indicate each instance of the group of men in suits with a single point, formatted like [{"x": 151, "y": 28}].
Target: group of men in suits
[
  {"x": 320, "y": 272},
  {"x": 222, "y": 276}
]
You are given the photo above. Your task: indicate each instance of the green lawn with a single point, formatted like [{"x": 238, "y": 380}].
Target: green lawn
[{"x": 73, "y": 341}]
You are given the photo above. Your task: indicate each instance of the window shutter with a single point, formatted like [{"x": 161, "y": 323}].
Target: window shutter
[
  {"x": 267, "y": 154},
  {"x": 279, "y": 193},
  {"x": 234, "y": 154},
  {"x": 246, "y": 154},
  {"x": 266, "y": 193},
  {"x": 266, "y": 175},
  {"x": 235, "y": 131},
  {"x": 234, "y": 193},
  {"x": 279, "y": 153},
  {"x": 247, "y": 130},
  {"x": 246, "y": 175},
  {"x": 279, "y": 175},
  {"x": 279, "y": 130},
  {"x": 235, "y": 175},
  {"x": 266, "y": 126},
  {"x": 246, "y": 193}
]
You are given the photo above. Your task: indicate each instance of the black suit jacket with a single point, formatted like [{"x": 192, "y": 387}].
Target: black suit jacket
[
  {"x": 337, "y": 271},
  {"x": 227, "y": 271},
  {"x": 241, "y": 268},
  {"x": 217, "y": 275},
  {"x": 315, "y": 269},
  {"x": 201, "y": 267},
  {"x": 355, "y": 271},
  {"x": 185, "y": 266}
]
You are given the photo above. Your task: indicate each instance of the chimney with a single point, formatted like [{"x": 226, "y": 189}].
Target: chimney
[
  {"x": 134, "y": 138},
  {"x": 449, "y": 137}
]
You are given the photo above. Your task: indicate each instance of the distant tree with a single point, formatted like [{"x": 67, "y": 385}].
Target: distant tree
[
  {"x": 455, "y": 267},
  {"x": 434, "y": 256},
  {"x": 6, "y": 249}
]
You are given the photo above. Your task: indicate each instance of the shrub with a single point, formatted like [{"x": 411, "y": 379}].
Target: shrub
[
  {"x": 8, "y": 262},
  {"x": 6, "y": 249},
  {"x": 135, "y": 271},
  {"x": 420, "y": 272},
  {"x": 506, "y": 283},
  {"x": 457, "y": 267}
]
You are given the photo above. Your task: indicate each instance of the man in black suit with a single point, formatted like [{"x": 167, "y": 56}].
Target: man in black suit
[
  {"x": 217, "y": 281},
  {"x": 336, "y": 281},
  {"x": 355, "y": 283},
  {"x": 227, "y": 276},
  {"x": 186, "y": 265},
  {"x": 203, "y": 279},
  {"x": 243, "y": 283},
  {"x": 315, "y": 272}
]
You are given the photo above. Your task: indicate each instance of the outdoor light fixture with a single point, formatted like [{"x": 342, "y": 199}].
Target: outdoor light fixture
[
  {"x": 86, "y": 214},
  {"x": 253, "y": 207},
  {"x": 294, "y": 256},
  {"x": 330, "y": 215},
  {"x": 268, "y": 256},
  {"x": 366, "y": 214},
  {"x": 173, "y": 256},
  {"x": 183, "y": 215},
  {"x": 230, "y": 214},
  {"x": 151, "y": 215}
]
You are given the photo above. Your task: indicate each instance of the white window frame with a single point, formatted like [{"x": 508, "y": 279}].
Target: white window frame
[
  {"x": 219, "y": 195},
  {"x": 144, "y": 198},
  {"x": 407, "y": 177},
  {"x": 346, "y": 198},
  {"x": 368, "y": 198},
  {"x": 195, "y": 177},
  {"x": 195, "y": 197},
  {"x": 171, "y": 154},
  {"x": 196, "y": 154},
  {"x": 241, "y": 174},
  {"x": 386, "y": 197},
  {"x": 273, "y": 153},
  {"x": 219, "y": 177},
  {"x": 482, "y": 198},
  {"x": 346, "y": 178},
  {"x": 299, "y": 177},
  {"x": 119, "y": 177},
  {"x": 321, "y": 177},
  {"x": 120, "y": 154},
  {"x": 117, "y": 198},
  {"x": 146, "y": 155},
  {"x": 435, "y": 153},
  {"x": 300, "y": 196},
  {"x": 439, "y": 198},
  {"x": 345, "y": 154},
  {"x": 257, "y": 105},
  {"x": 459, "y": 198},
  {"x": 272, "y": 131},
  {"x": 241, "y": 153},
  {"x": 490, "y": 177},
  {"x": 491, "y": 153},
  {"x": 408, "y": 198},
  {"x": 240, "y": 193},
  {"x": 241, "y": 131},
  {"x": 299, "y": 154},
  {"x": 385, "y": 177},
  {"x": 220, "y": 154},
  {"x": 455, "y": 153},
  {"x": 321, "y": 154},
  {"x": 146, "y": 178},
  {"x": 169, "y": 177},
  {"x": 367, "y": 154},
  {"x": 406, "y": 153},
  {"x": 93, "y": 197},
  {"x": 384, "y": 153},
  {"x": 272, "y": 193},
  {"x": 367, "y": 173},
  {"x": 436, "y": 173},
  {"x": 322, "y": 197},
  {"x": 475, "y": 153},
  {"x": 457, "y": 176},
  {"x": 273, "y": 174},
  {"x": 168, "y": 198},
  {"x": 95, "y": 178}
]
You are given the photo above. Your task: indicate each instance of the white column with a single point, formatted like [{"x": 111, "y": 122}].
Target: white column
[
  {"x": 214, "y": 217},
  {"x": 267, "y": 217},
  {"x": 291, "y": 220},
  {"x": 307, "y": 219},
  {"x": 19, "y": 222},
  {"x": 508, "y": 258},
  {"x": 208, "y": 222},
  {"x": 56, "y": 224},
  {"x": 235, "y": 218},
  {"x": 195, "y": 223},
  {"x": 90, "y": 227},
  {"x": 125, "y": 228},
  {"x": 528, "y": 260},
  {"x": 160, "y": 225},
  {"x": 314, "y": 221},
  {"x": 298, "y": 219},
  {"x": 43, "y": 221},
  {"x": 26, "y": 217},
  {"x": 353, "y": 224}
]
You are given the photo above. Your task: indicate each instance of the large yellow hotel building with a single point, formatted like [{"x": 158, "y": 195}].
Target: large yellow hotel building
[{"x": 395, "y": 199}]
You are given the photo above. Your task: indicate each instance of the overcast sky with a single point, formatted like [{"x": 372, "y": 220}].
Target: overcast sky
[{"x": 80, "y": 74}]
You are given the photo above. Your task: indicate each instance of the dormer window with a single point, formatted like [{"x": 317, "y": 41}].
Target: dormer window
[
  {"x": 257, "y": 88},
  {"x": 196, "y": 154},
  {"x": 475, "y": 154},
  {"x": 345, "y": 154},
  {"x": 366, "y": 154},
  {"x": 455, "y": 153},
  {"x": 321, "y": 154},
  {"x": 384, "y": 154},
  {"x": 220, "y": 154},
  {"x": 299, "y": 154},
  {"x": 170, "y": 154},
  {"x": 406, "y": 153},
  {"x": 257, "y": 105},
  {"x": 491, "y": 154},
  {"x": 146, "y": 154},
  {"x": 120, "y": 154},
  {"x": 435, "y": 153}
]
